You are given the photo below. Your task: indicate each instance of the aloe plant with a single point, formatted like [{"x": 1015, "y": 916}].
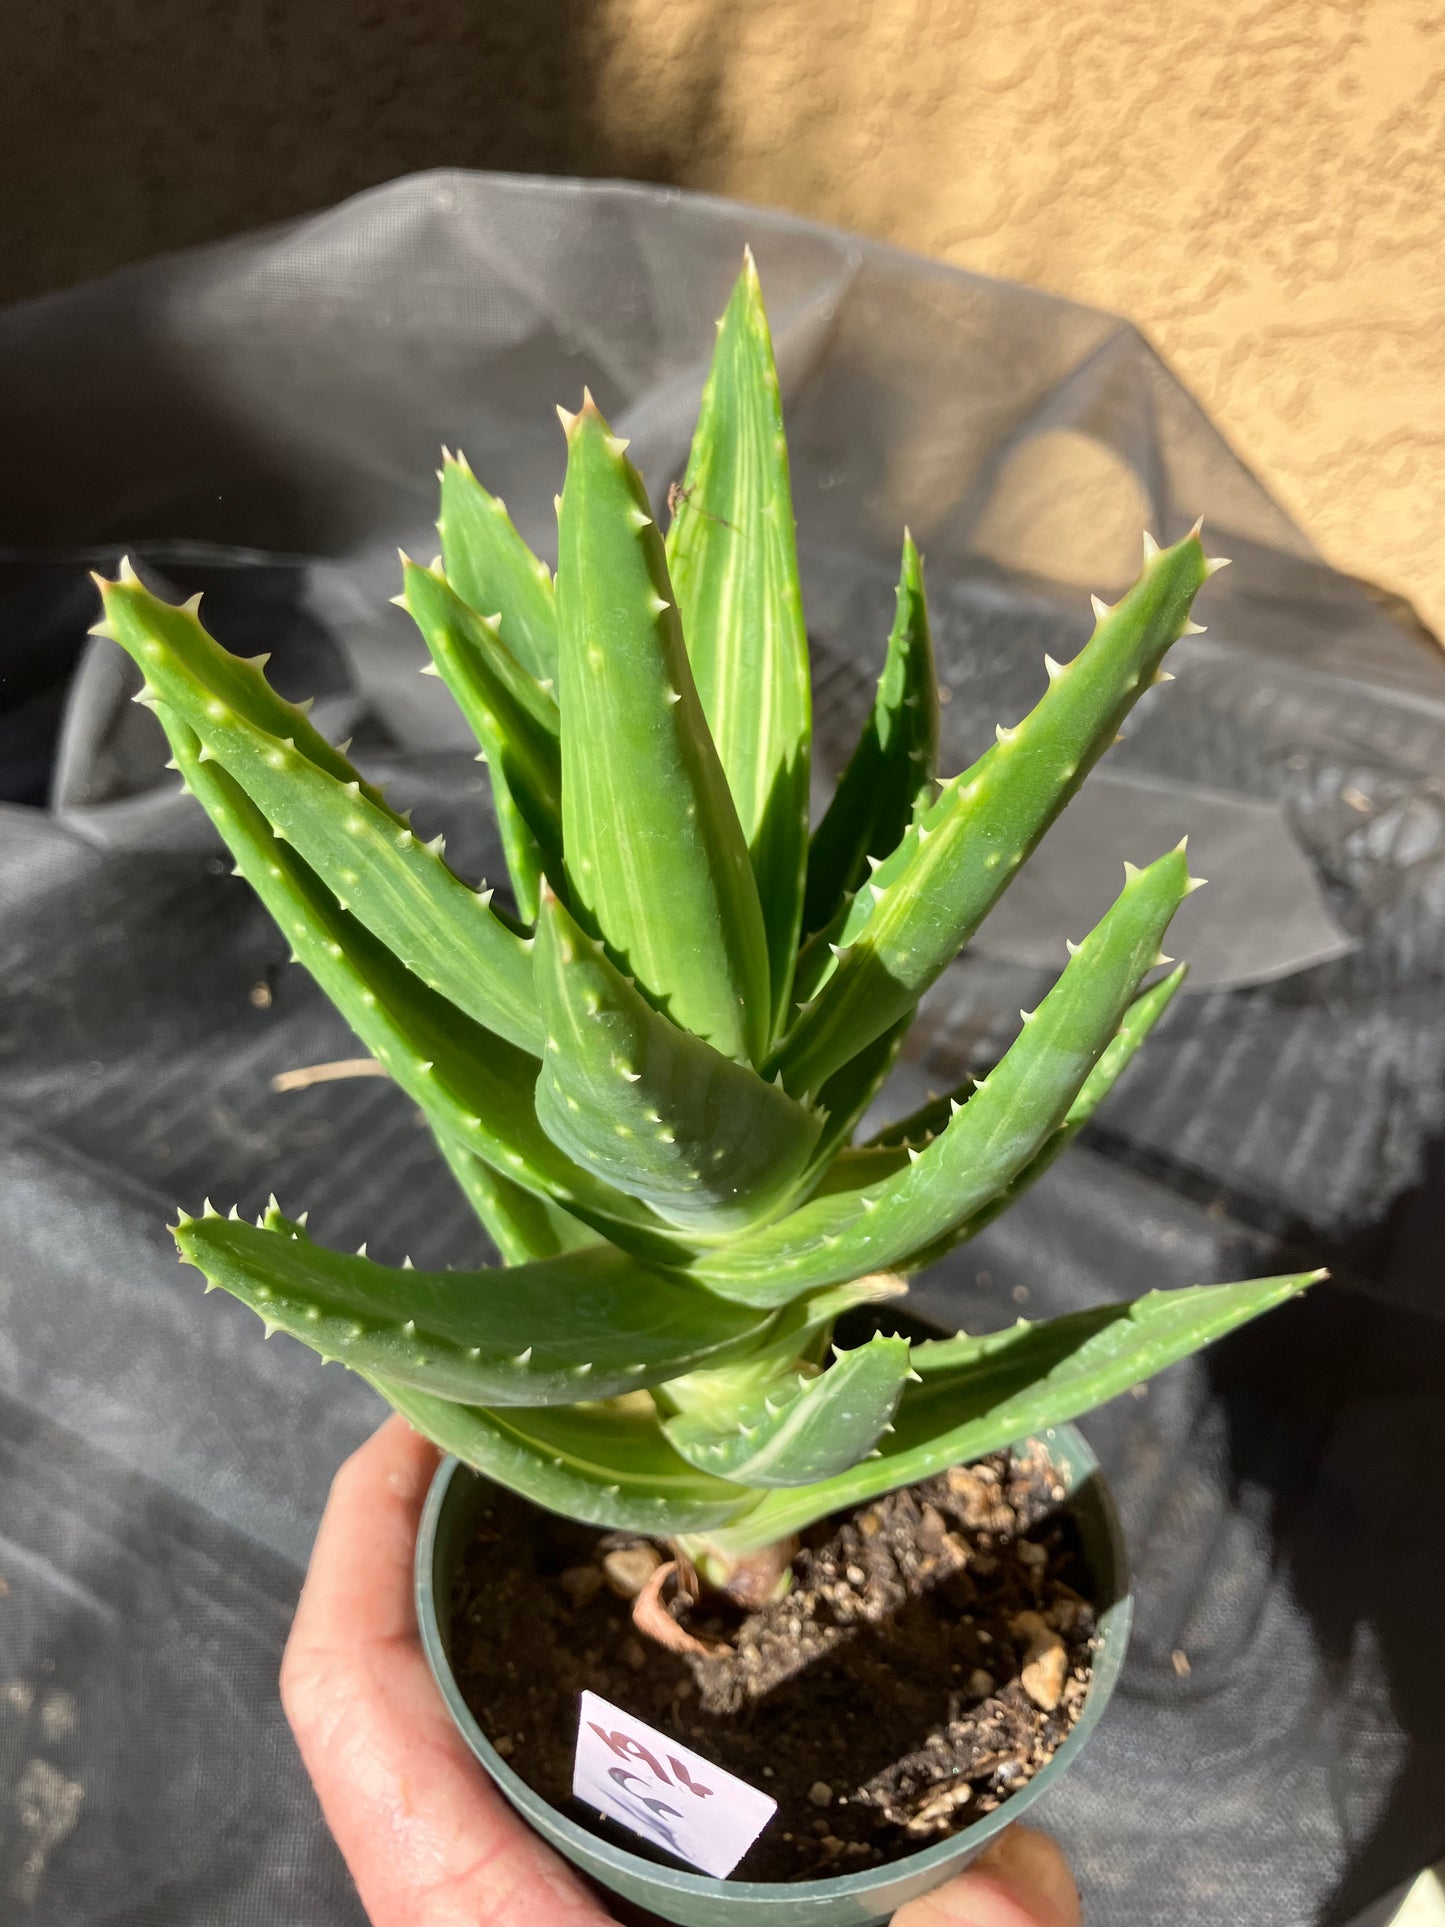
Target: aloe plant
[{"x": 647, "y": 1074}]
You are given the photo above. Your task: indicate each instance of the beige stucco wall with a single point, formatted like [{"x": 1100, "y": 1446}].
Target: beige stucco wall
[
  {"x": 1260, "y": 186},
  {"x": 1259, "y": 183}
]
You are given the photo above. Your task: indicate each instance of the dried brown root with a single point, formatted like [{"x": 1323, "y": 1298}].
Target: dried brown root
[
  {"x": 305, "y": 1075},
  {"x": 652, "y": 1618}
]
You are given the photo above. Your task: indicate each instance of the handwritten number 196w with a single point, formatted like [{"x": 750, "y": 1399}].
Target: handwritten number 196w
[{"x": 627, "y": 1748}]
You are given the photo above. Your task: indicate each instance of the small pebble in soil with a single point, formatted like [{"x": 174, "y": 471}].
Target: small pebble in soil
[
  {"x": 1045, "y": 1662},
  {"x": 628, "y": 1569},
  {"x": 820, "y": 1793},
  {"x": 581, "y": 1583}
]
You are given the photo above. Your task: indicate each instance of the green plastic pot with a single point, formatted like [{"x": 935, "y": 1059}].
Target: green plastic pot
[{"x": 696, "y": 1900}]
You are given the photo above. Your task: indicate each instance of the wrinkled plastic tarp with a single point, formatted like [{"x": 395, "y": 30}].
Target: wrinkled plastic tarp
[{"x": 260, "y": 420}]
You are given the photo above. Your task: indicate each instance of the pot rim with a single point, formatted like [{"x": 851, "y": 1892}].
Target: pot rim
[{"x": 1117, "y": 1619}]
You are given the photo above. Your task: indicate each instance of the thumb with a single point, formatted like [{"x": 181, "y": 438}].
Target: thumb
[{"x": 1021, "y": 1881}]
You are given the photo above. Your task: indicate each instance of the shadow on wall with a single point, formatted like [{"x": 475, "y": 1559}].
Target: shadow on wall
[{"x": 129, "y": 131}]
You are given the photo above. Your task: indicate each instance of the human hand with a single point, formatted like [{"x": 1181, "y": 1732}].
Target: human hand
[{"x": 429, "y": 1840}]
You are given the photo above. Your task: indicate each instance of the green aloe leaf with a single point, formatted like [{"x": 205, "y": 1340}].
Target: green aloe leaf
[
  {"x": 801, "y": 1428},
  {"x": 525, "y": 859},
  {"x": 589, "y": 1324},
  {"x": 732, "y": 556},
  {"x": 926, "y": 899},
  {"x": 1139, "y": 1019},
  {"x": 650, "y": 1108},
  {"x": 1006, "y": 1122},
  {"x": 475, "y": 1089},
  {"x": 849, "y": 1091},
  {"x": 375, "y": 868},
  {"x": 887, "y": 1151},
  {"x": 519, "y": 1223},
  {"x": 159, "y": 635},
  {"x": 656, "y": 861},
  {"x": 607, "y": 1465},
  {"x": 797, "y": 1336},
  {"x": 977, "y": 1395},
  {"x": 819, "y": 957},
  {"x": 492, "y": 569},
  {"x": 891, "y": 767},
  {"x": 513, "y": 718}
]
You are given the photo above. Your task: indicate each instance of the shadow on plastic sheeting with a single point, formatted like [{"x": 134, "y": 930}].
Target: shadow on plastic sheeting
[{"x": 1338, "y": 1426}]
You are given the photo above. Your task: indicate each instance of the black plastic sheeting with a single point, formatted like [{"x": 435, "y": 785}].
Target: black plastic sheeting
[{"x": 260, "y": 420}]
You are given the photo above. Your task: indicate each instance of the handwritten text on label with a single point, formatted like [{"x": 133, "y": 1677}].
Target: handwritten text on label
[{"x": 663, "y": 1791}]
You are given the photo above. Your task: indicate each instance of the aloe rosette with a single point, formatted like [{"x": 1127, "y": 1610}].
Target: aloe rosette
[{"x": 647, "y": 1073}]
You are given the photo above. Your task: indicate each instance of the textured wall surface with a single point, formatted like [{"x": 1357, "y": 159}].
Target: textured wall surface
[{"x": 1261, "y": 186}]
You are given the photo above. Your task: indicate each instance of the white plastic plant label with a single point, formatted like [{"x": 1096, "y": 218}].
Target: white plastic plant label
[{"x": 664, "y": 1791}]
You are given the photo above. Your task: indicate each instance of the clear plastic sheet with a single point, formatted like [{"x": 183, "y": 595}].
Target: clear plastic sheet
[{"x": 260, "y": 420}]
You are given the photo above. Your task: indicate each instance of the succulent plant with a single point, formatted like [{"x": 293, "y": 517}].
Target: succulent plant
[{"x": 646, "y": 1076}]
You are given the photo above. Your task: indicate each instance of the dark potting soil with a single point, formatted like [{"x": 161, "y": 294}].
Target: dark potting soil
[{"x": 931, "y": 1657}]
